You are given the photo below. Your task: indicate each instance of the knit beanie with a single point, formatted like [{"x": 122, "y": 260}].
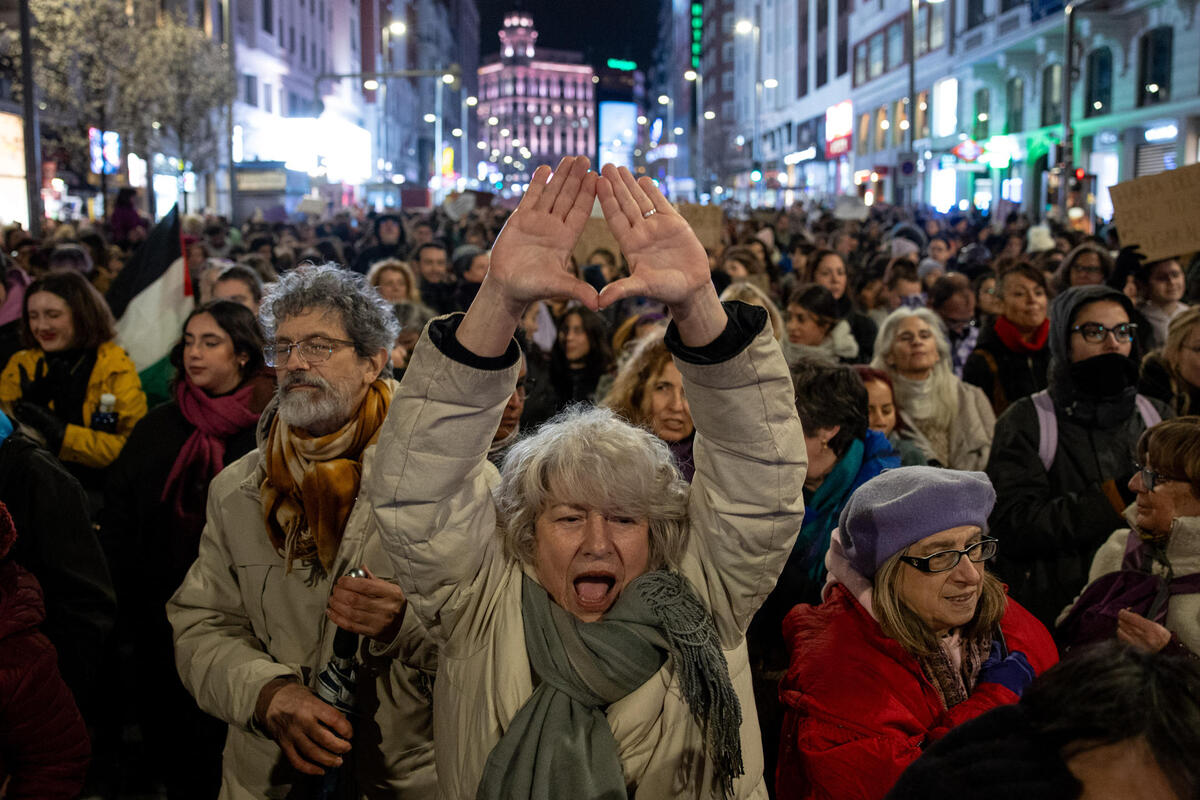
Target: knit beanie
[
  {"x": 8, "y": 531},
  {"x": 900, "y": 507}
]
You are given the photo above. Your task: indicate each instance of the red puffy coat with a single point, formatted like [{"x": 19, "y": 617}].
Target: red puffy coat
[
  {"x": 858, "y": 708},
  {"x": 43, "y": 742}
]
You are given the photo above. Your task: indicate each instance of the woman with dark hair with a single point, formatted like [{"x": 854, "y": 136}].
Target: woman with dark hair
[
  {"x": 1085, "y": 265},
  {"x": 72, "y": 383},
  {"x": 1011, "y": 357},
  {"x": 580, "y": 357},
  {"x": 913, "y": 637},
  {"x": 827, "y": 268},
  {"x": 154, "y": 513},
  {"x": 883, "y": 415},
  {"x": 813, "y": 330}
]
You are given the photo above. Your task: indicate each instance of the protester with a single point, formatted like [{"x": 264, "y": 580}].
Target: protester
[
  {"x": 1011, "y": 359},
  {"x": 1162, "y": 286},
  {"x": 913, "y": 636},
  {"x": 239, "y": 284},
  {"x": 1165, "y": 524},
  {"x": 813, "y": 330},
  {"x": 436, "y": 282},
  {"x": 44, "y": 745},
  {"x": 827, "y": 268},
  {"x": 1110, "y": 722},
  {"x": 1086, "y": 264},
  {"x": 648, "y": 392},
  {"x": 1062, "y": 473},
  {"x": 255, "y": 618},
  {"x": 1172, "y": 375},
  {"x": 884, "y": 417},
  {"x": 595, "y": 527},
  {"x": 56, "y": 385},
  {"x": 950, "y": 421},
  {"x": 154, "y": 512},
  {"x": 394, "y": 280},
  {"x": 580, "y": 358},
  {"x": 745, "y": 292},
  {"x": 389, "y": 243},
  {"x": 951, "y": 298}
]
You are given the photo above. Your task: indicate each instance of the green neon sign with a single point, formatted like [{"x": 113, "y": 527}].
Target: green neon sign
[{"x": 622, "y": 64}]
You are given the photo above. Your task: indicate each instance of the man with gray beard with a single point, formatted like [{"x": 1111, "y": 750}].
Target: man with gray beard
[{"x": 255, "y": 618}]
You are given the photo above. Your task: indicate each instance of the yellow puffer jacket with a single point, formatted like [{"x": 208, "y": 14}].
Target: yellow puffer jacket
[{"x": 113, "y": 374}]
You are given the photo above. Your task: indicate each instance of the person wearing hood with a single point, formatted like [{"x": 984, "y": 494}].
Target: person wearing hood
[
  {"x": 44, "y": 747},
  {"x": 256, "y": 615},
  {"x": 813, "y": 330},
  {"x": 1011, "y": 359},
  {"x": 389, "y": 236},
  {"x": 912, "y": 638},
  {"x": 1060, "y": 496}
]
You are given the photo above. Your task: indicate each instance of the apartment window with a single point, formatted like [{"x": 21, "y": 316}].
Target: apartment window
[
  {"x": 881, "y": 128},
  {"x": 1154, "y": 70},
  {"x": 922, "y": 31},
  {"x": 843, "y": 47},
  {"x": 875, "y": 54},
  {"x": 250, "y": 90},
  {"x": 1099, "y": 83},
  {"x": 303, "y": 49},
  {"x": 864, "y": 134},
  {"x": 727, "y": 52},
  {"x": 321, "y": 14},
  {"x": 895, "y": 45},
  {"x": 1009, "y": 5},
  {"x": 899, "y": 123},
  {"x": 983, "y": 99},
  {"x": 922, "y": 131},
  {"x": 281, "y": 29},
  {"x": 268, "y": 15},
  {"x": 860, "y": 63},
  {"x": 937, "y": 26},
  {"x": 976, "y": 15},
  {"x": 292, "y": 39},
  {"x": 822, "y": 68},
  {"x": 268, "y": 97},
  {"x": 1014, "y": 103},
  {"x": 314, "y": 55},
  {"x": 1052, "y": 95}
]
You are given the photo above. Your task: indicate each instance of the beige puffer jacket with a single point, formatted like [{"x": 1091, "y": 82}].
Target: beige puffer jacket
[
  {"x": 432, "y": 489},
  {"x": 239, "y": 622}
]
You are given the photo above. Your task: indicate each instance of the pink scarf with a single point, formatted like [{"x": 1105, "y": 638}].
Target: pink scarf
[{"x": 203, "y": 454}]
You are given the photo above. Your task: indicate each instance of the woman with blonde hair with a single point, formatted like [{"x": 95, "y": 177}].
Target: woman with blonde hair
[
  {"x": 1172, "y": 374},
  {"x": 394, "y": 280},
  {"x": 648, "y": 392},
  {"x": 951, "y": 421},
  {"x": 747, "y": 292}
]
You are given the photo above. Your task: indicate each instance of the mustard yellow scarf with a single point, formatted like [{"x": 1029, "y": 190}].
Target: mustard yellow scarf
[{"x": 312, "y": 482}]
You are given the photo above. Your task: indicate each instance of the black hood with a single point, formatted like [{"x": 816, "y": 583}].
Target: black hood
[{"x": 1062, "y": 315}]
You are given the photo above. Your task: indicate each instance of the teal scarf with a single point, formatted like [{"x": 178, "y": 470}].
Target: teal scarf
[
  {"x": 821, "y": 512},
  {"x": 559, "y": 744}
]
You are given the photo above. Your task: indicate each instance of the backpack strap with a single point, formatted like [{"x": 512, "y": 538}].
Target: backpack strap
[
  {"x": 1149, "y": 413},
  {"x": 1135, "y": 552},
  {"x": 1047, "y": 428}
]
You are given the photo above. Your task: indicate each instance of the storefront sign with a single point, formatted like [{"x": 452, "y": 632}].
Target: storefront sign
[
  {"x": 807, "y": 154},
  {"x": 1146, "y": 211},
  {"x": 839, "y": 126}
]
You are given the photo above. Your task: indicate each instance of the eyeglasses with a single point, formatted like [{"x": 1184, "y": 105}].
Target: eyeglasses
[
  {"x": 312, "y": 351},
  {"x": 1087, "y": 269},
  {"x": 1096, "y": 333},
  {"x": 1152, "y": 478},
  {"x": 946, "y": 560}
]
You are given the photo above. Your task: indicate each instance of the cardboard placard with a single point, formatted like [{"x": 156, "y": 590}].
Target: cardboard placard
[
  {"x": 706, "y": 221},
  {"x": 1157, "y": 212}
]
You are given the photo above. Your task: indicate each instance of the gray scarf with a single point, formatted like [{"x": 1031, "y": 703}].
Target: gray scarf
[{"x": 559, "y": 744}]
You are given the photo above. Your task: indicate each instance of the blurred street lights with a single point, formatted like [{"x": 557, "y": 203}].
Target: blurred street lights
[
  {"x": 701, "y": 175},
  {"x": 665, "y": 100},
  {"x": 753, "y": 28}
]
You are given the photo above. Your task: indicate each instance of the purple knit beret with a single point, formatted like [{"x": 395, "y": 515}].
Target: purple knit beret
[{"x": 901, "y": 506}]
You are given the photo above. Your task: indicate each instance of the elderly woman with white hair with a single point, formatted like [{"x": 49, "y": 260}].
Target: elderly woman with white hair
[
  {"x": 949, "y": 420},
  {"x": 589, "y": 606}
]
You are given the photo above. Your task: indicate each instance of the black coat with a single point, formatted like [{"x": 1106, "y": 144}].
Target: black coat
[
  {"x": 1016, "y": 375},
  {"x": 1050, "y": 524},
  {"x": 57, "y": 543}
]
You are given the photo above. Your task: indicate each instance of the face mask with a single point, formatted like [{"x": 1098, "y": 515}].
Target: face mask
[{"x": 1104, "y": 375}]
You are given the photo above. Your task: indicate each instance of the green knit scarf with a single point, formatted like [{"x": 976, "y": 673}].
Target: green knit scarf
[{"x": 559, "y": 745}]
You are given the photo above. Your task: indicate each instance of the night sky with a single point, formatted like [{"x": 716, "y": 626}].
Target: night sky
[{"x": 600, "y": 29}]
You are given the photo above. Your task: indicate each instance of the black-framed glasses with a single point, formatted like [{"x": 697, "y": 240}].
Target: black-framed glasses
[
  {"x": 1096, "y": 333},
  {"x": 313, "y": 351},
  {"x": 946, "y": 560},
  {"x": 1152, "y": 477}
]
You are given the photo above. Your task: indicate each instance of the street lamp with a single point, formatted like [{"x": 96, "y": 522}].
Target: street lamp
[
  {"x": 695, "y": 77},
  {"x": 665, "y": 100},
  {"x": 746, "y": 27}
]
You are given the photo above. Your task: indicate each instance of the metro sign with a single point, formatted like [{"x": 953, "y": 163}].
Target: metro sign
[{"x": 967, "y": 150}]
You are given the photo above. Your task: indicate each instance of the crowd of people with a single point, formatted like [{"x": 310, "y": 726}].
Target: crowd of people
[{"x": 433, "y": 507}]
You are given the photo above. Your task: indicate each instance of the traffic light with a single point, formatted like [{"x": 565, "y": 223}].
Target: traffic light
[
  {"x": 756, "y": 171},
  {"x": 1079, "y": 173}
]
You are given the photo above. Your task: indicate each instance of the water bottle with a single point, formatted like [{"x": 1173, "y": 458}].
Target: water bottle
[{"x": 104, "y": 418}]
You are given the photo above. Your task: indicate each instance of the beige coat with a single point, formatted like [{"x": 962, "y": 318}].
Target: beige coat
[
  {"x": 432, "y": 492},
  {"x": 1183, "y": 551},
  {"x": 971, "y": 431},
  {"x": 239, "y": 622}
]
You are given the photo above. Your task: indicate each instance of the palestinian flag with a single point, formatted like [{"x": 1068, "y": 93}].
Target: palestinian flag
[{"x": 151, "y": 297}]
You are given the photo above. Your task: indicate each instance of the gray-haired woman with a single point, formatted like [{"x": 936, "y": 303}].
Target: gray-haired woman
[{"x": 590, "y": 608}]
